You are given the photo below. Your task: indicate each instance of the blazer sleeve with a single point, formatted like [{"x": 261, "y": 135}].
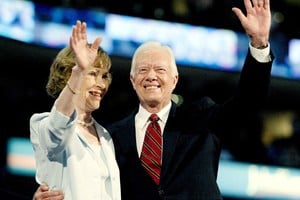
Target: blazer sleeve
[{"x": 250, "y": 97}]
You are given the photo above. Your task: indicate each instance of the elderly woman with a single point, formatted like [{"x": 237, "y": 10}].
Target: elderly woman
[{"x": 73, "y": 152}]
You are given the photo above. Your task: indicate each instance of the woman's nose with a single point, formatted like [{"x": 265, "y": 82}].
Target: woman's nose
[{"x": 100, "y": 82}]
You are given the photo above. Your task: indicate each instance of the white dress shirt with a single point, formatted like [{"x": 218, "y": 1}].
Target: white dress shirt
[{"x": 142, "y": 121}]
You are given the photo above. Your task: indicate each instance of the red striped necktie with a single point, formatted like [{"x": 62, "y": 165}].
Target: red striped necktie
[{"x": 151, "y": 151}]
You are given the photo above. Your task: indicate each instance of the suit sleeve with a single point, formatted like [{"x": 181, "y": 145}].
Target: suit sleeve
[{"x": 250, "y": 97}]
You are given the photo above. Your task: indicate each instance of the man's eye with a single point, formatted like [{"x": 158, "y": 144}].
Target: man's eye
[
  {"x": 161, "y": 70},
  {"x": 142, "y": 70}
]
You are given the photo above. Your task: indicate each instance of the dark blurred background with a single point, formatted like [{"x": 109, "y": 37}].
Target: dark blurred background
[
  {"x": 271, "y": 137},
  {"x": 198, "y": 12}
]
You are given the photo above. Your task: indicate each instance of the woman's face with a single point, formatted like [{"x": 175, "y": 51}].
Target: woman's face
[{"x": 93, "y": 88}]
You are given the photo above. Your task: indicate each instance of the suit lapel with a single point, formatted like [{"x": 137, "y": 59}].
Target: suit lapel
[
  {"x": 170, "y": 137},
  {"x": 128, "y": 139}
]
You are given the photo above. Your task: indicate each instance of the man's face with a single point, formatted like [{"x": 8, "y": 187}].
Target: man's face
[{"x": 153, "y": 79}]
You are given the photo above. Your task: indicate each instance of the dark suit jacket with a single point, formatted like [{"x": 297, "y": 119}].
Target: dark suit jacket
[{"x": 191, "y": 145}]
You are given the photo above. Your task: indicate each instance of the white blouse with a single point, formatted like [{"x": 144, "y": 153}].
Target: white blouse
[{"x": 66, "y": 161}]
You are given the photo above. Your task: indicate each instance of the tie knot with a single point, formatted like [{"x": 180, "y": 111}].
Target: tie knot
[{"x": 153, "y": 118}]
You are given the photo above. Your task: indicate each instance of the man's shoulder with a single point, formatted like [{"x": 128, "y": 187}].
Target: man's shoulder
[
  {"x": 121, "y": 123},
  {"x": 197, "y": 105}
]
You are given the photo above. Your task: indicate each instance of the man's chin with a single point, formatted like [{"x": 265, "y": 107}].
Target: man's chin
[{"x": 152, "y": 102}]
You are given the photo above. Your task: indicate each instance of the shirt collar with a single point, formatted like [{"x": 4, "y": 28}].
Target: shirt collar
[{"x": 143, "y": 114}]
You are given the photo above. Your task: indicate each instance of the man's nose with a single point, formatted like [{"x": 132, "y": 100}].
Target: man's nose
[{"x": 151, "y": 74}]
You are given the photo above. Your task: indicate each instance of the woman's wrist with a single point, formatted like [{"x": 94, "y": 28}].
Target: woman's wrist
[{"x": 73, "y": 91}]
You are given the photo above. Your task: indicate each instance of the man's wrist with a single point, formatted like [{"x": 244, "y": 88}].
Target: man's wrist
[
  {"x": 259, "y": 46},
  {"x": 262, "y": 46},
  {"x": 261, "y": 55}
]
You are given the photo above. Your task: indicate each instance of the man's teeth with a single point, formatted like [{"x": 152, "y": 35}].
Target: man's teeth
[{"x": 152, "y": 87}]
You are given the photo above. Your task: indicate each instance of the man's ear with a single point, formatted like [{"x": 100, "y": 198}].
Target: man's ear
[
  {"x": 175, "y": 81},
  {"x": 132, "y": 81}
]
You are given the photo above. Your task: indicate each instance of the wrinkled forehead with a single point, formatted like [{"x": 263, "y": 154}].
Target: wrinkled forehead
[{"x": 155, "y": 57}]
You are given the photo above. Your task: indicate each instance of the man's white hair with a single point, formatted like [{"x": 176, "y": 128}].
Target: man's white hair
[{"x": 152, "y": 45}]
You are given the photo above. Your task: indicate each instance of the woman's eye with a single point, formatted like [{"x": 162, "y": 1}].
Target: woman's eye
[
  {"x": 93, "y": 73},
  {"x": 105, "y": 76}
]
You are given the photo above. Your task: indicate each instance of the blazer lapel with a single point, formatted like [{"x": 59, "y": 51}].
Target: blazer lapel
[
  {"x": 127, "y": 141},
  {"x": 170, "y": 137}
]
